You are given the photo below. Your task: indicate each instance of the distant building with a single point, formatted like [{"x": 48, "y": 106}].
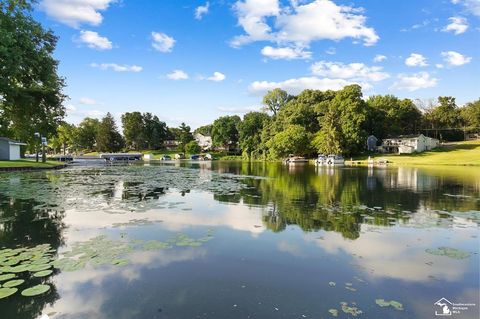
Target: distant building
[
  {"x": 372, "y": 143},
  {"x": 204, "y": 141},
  {"x": 9, "y": 149},
  {"x": 171, "y": 144},
  {"x": 407, "y": 144}
]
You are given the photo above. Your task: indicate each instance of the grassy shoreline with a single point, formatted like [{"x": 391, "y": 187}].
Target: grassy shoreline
[{"x": 29, "y": 164}]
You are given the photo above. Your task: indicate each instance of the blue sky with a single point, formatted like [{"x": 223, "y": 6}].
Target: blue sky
[{"x": 193, "y": 61}]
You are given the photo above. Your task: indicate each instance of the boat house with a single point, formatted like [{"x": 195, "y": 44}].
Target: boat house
[
  {"x": 407, "y": 144},
  {"x": 9, "y": 149}
]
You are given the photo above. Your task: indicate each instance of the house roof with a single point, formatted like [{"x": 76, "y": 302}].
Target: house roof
[{"x": 11, "y": 142}]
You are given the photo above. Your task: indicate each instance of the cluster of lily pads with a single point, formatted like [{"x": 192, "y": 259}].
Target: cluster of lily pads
[
  {"x": 37, "y": 262},
  {"x": 346, "y": 308},
  {"x": 449, "y": 252},
  {"x": 117, "y": 189},
  {"x": 392, "y": 303},
  {"x": 19, "y": 265}
]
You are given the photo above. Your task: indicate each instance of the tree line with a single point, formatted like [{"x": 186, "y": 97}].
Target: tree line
[{"x": 314, "y": 121}]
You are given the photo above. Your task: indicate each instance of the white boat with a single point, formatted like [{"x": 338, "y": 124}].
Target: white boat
[
  {"x": 295, "y": 159},
  {"x": 333, "y": 160},
  {"x": 321, "y": 160}
]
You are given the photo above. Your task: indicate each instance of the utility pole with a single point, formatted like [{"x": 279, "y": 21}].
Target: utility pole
[{"x": 37, "y": 137}]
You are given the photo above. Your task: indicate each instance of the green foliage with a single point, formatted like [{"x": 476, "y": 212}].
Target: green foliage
[
  {"x": 470, "y": 114},
  {"x": 192, "y": 147},
  {"x": 108, "y": 137},
  {"x": 293, "y": 140},
  {"x": 276, "y": 99},
  {"x": 86, "y": 134},
  {"x": 225, "y": 131},
  {"x": 30, "y": 89},
  {"x": 249, "y": 131},
  {"x": 204, "y": 130},
  {"x": 143, "y": 131}
]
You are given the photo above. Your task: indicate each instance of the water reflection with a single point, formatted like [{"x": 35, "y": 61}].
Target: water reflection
[{"x": 370, "y": 227}]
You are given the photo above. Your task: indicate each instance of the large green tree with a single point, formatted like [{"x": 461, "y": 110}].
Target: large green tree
[
  {"x": 250, "y": 132},
  {"x": 293, "y": 140},
  {"x": 86, "y": 134},
  {"x": 225, "y": 131},
  {"x": 470, "y": 114},
  {"x": 275, "y": 99},
  {"x": 30, "y": 89},
  {"x": 134, "y": 130},
  {"x": 108, "y": 137}
]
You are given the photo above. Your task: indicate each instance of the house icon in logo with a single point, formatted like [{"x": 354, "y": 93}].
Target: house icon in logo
[{"x": 445, "y": 307}]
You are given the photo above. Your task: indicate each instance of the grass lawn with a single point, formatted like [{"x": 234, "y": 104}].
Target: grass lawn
[
  {"x": 460, "y": 153},
  {"x": 28, "y": 163}
]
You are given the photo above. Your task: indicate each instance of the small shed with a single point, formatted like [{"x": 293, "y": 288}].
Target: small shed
[
  {"x": 9, "y": 149},
  {"x": 372, "y": 143}
]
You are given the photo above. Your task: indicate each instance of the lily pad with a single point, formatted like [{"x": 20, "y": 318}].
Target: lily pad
[
  {"x": 35, "y": 268},
  {"x": 35, "y": 290},
  {"x": 449, "y": 252},
  {"x": 5, "y": 292},
  {"x": 383, "y": 303},
  {"x": 333, "y": 312},
  {"x": 43, "y": 273},
  {"x": 6, "y": 277},
  {"x": 13, "y": 283}
]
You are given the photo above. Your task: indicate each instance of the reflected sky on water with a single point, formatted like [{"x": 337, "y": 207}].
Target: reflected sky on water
[{"x": 288, "y": 242}]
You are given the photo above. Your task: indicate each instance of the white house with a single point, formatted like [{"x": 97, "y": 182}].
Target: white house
[
  {"x": 9, "y": 149},
  {"x": 204, "y": 141},
  {"x": 407, "y": 144}
]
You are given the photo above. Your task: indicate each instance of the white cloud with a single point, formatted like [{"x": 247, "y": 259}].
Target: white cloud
[
  {"x": 416, "y": 59},
  {"x": 87, "y": 101},
  {"x": 240, "y": 110},
  {"x": 295, "y": 86},
  {"x": 117, "y": 67},
  {"x": 455, "y": 59},
  {"x": 353, "y": 71},
  {"x": 162, "y": 42},
  {"x": 413, "y": 82},
  {"x": 177, "y": 75},
  {"x": 439, "y": 66},
  {"x": 216, "y": 77},
  {"x": 286, "y": 53},
  {"x": 76, "y": 12},
  {"x": 94, "y": 41},
  {"x": 300, "y": 24},
  {"x": 457, "y": 24},
  {"x": 331, "y": 51},
  {"x": 379, "y": 58},
  {"x": 472, "y": 6},
  {"x": 200, "y": 11}
]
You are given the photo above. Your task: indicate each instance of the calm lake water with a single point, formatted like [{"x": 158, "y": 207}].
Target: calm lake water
[{"x": 239, "y": 240}]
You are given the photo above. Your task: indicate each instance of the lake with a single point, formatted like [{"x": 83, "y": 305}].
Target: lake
[{"x": 239, "y": 240}]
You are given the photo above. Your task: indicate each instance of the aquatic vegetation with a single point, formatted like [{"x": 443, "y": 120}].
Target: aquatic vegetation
[
  {"x": 13, "y": 283},
  {"x": 6, "y": 277},
  {"x": 35, "y": 290},
  {"x": 6, "y": 292},
  {"x": 332, "y": 284},
  {"x": 43, "y": 273},
  {"x": 383, "y": 303},
  {"x": 448, "y": 252},
  {"x": 353, "y": 310},
  {"x": 333, "y": 312}
]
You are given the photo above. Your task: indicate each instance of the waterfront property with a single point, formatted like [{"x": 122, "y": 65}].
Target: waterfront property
[
  {"x": 407, "y": 144},
  {"x": 204, "y": 141},
  {"x": 10, "y": 149}
]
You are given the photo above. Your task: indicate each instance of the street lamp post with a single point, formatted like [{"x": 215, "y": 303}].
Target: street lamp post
[{"x": 37, "y": 136}]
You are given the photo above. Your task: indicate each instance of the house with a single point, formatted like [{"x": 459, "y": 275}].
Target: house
[
  {"x": 9, "y": 149},
  {"x": 204, "y": 141},
  {"x": 372, "y": 143},
  {"x": 407, "y": 144},
  {"x": 171, "y": 144}
]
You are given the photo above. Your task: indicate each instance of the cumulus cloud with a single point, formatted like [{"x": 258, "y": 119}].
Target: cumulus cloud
[
  {"x": 354, "y": 71},
  {"x": 413, "y": 82},
  {"x": 455, "y": 59},
  {"x": 162, "y": 42},
  {"x": 76, "y": 12},
  {"x": 117, "y": 67},
  {"x": 87, "y": 101},
  {"x": 379, "y": 58},
  {"x": 458, "y": 25},
  {"x": 300, "y": 24},
  {"x": 94, "y": 41},
  {"x": 416, "y": 59},
  {"x": 286, "y": 53},
  {"x": 177, "y": 75},
  {"x": 200, "y": 11},
  {"x": 216, "y": 77},
  {"x": 297, "y": 85},
  {"x": 471, "y": 6}
]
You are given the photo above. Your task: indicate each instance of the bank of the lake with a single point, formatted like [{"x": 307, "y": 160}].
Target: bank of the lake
[
  {"x": 26, "y": 164},
  {"x": 453, "y": 154}
]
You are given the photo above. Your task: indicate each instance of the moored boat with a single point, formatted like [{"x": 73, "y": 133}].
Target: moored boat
[{"x": 295, "y": 159}]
